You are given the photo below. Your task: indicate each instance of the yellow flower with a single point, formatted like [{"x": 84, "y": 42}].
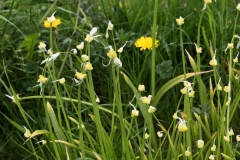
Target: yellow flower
[
  {"x": 146, "y": 100},
  {"x": 182, "y": 127},
  {"x": 151, "y": 109},
  {"x": 42, "y": 46},
  {"x": 187, "y": 152},
  {"x": 27, "y": 133},
  {"x": 228, "y": 102},
  {"x": 145, "y": 43},
  {"x": 42, "y": 79},
  {"x": 135, "y": 113},
  {"x": 207, "y": 1},
  {"x": 200, "y": 143},
  {"x": 111, "y": 54},
  {"x": 226, "y": 138},
  {"x": 56, "y": 23},
  {"x": 88, "y": 38},
  {"x": 226, "y": 89},
  {"x": 180, "y": 21},
  {"x": 231, "y": 133},
  {"x": 213, "y": 148},
  {"x": 146, "y": 136},
  {"x": 198, "y": 49},
  {"x": 219, "y": 87},
  {"x": 175, "y": 115},
  {"x": 212, "y": 157},
  {"x": 62, "y": 80},
  {"x": 88, "y": 66},
  {"x": 230, "y": 45},
  {"x": 80, "y": 76},
  {"x": 141, "y": 88},
  {"x": 84, "y": 58},
  {"x": 213, "y": 62},
  {"x": 187, "y": 84}
]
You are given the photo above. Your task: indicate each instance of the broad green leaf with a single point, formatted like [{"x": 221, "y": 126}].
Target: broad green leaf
[{"x": 56, "y": 127}]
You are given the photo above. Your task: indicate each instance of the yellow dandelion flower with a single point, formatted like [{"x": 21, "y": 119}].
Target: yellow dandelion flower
[
  {"x": 145, "y": 43},
  {"x": 54, "y": 24}
]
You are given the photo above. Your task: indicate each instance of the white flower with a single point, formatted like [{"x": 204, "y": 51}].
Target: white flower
[
  {"x": 49, "y": 51},
  {"x": 238, "y": 138},
  {"x": 160, "y": 134},
  {"x": 12, "y": 98},
  {"x": 212, "y": 157},
  {"x": 117, "y": 61},
  {"x": 238, "y": 7},
  {"x": 62, "y": 80},
  {"x": 74, "y": 51},
  {"x": 51, "y": 58},
  {"x": 110, "y": 25},
  {"x": 80, "y": 46},
  {"x": 93, "y": 31},
  {"x": 97, "y": 100},
  {"x": 106, "y": 35},
  {"x": 120, "y": 50},
  {"x": 85, "y": 58},
  {"x": 90, "y": 37},
  {"x": 135, "y": 113},
  {"x": 51, "y": 19}
]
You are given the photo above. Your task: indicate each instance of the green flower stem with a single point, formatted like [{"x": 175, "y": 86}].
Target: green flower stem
[
  {"x": 154, "y": 28},
  {"x": 182, "y": 50},
  {"x": 229, "y": 82},
  {"x": 80, "y": 124},
  {"x": 198, "y": 40},
  {"x": 117, "y": 97},
  {"x": 70, "y": 99},
  {"x": 235, "y": 24},
  {"x": 100, "y": 131}
]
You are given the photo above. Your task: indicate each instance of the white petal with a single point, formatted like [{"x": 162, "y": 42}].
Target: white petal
[{"x": 93, "y": 31}]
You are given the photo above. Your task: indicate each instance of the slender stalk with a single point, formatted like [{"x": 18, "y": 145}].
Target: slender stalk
[{"x": 154, "y": 29}]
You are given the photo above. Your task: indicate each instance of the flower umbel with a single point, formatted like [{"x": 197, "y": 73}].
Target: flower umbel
[{"x": 145, "y": 43}]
